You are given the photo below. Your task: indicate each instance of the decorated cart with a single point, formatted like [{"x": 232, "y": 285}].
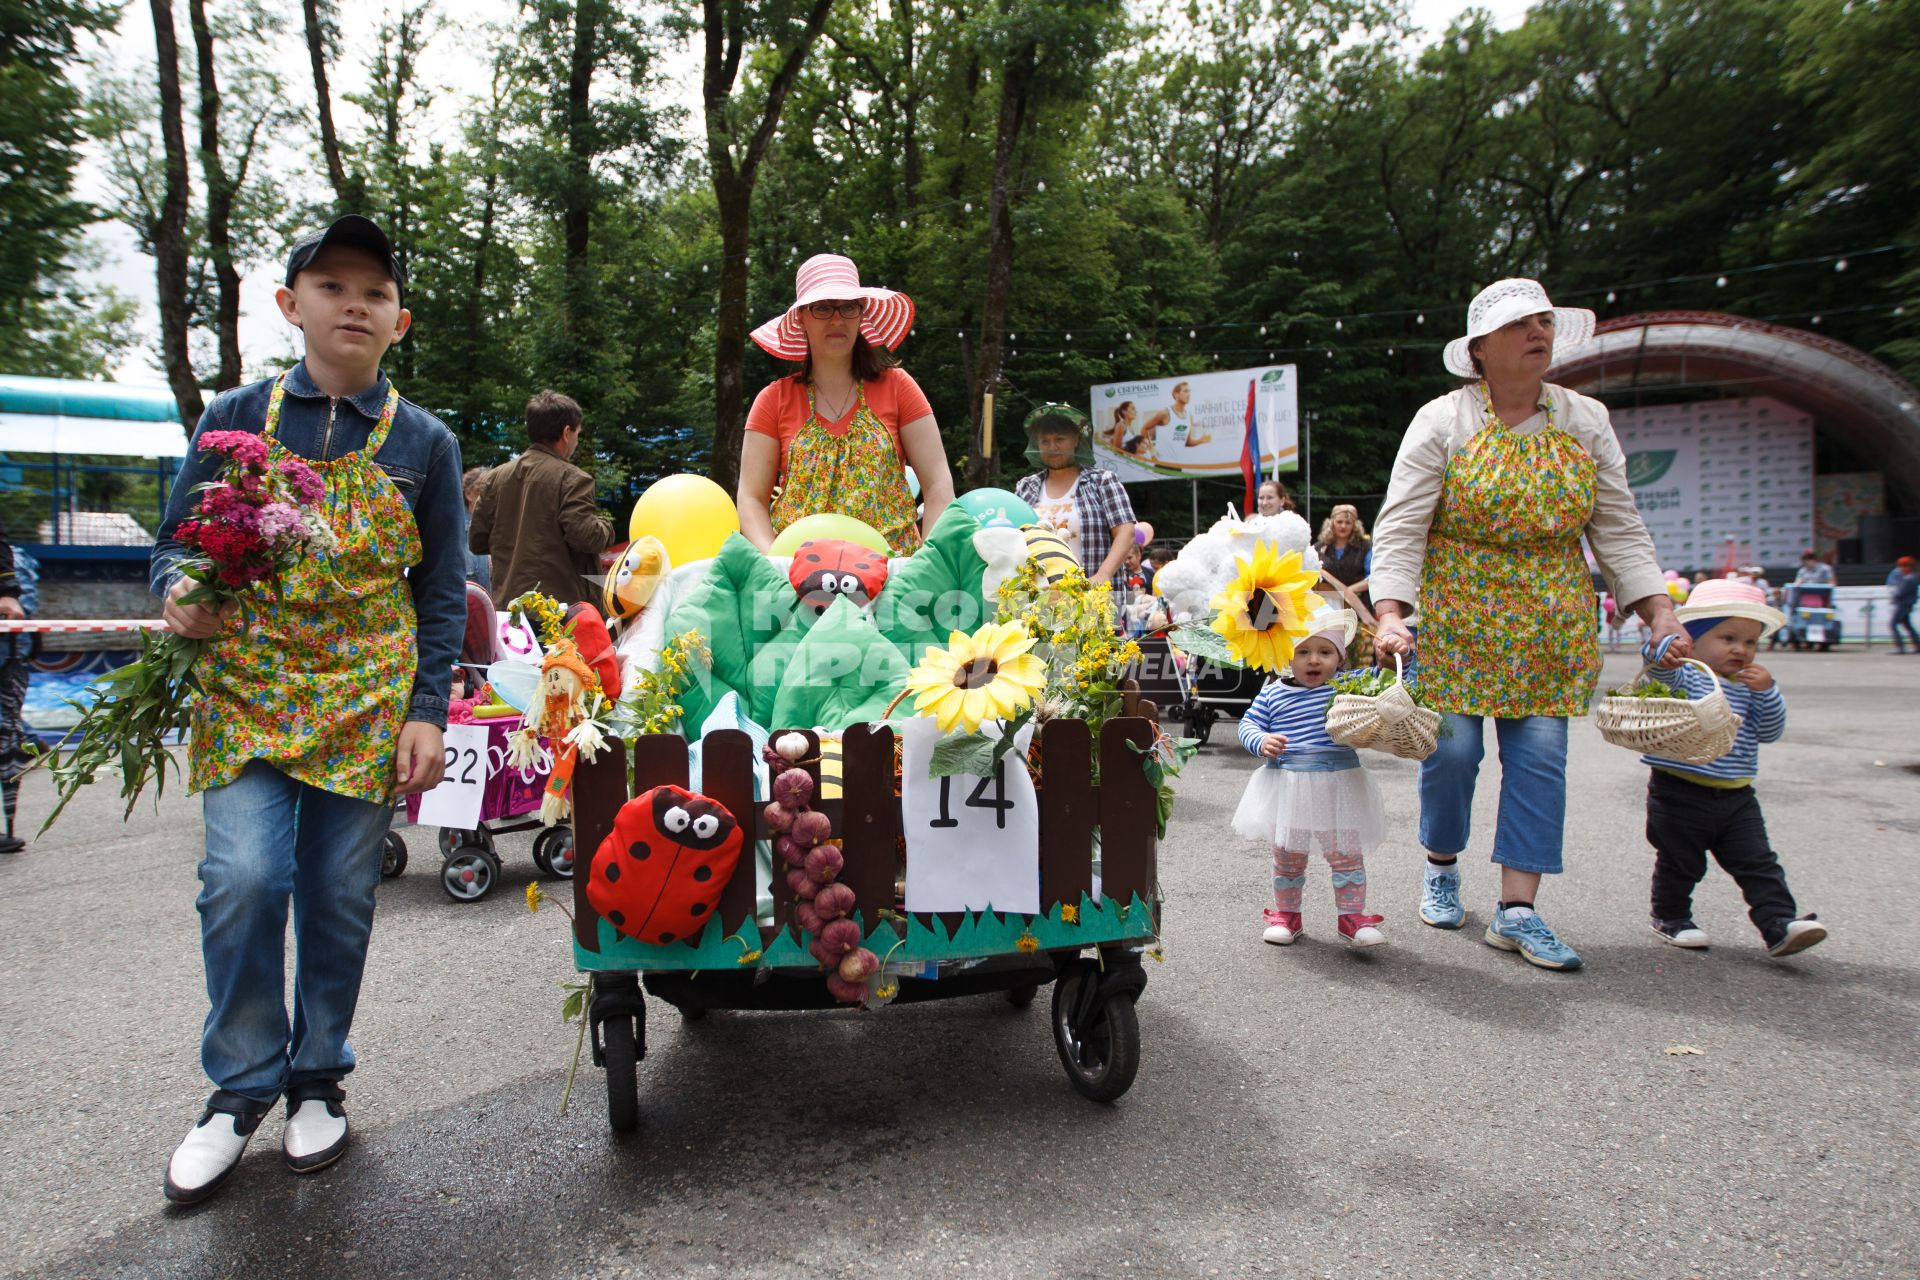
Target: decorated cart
[{"x": 1085, "y": 940}]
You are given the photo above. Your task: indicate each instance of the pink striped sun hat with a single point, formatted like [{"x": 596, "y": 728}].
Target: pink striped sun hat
[{"x": 829, "y": 277}]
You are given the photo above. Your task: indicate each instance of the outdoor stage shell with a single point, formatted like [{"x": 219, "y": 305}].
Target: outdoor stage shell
[{"x": 1847, "y": 391}]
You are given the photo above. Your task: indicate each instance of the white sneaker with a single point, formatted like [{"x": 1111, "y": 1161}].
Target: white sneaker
[
  {"x": 316, "y": 1135},
  {"x": 211, "y": 1151},
  {"x": 1800, "y": 935}
]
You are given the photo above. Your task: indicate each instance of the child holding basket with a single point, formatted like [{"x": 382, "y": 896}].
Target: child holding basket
[{"x": 1311, "y": 793}]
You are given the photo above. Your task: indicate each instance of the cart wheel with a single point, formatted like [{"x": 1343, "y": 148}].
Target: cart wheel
[
  {"x": 469, "y": 874},
  {"x": 623, "y": 1080},
  {"x": 553, "y": 852},
  {"x": 1022, "y": 996},
  {"x": 1098, "y": 1040},
  {"x": 393, "y": 856}
]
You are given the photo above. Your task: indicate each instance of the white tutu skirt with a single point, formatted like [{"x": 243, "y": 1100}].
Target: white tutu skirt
[{"x": 1312, "y": 812}]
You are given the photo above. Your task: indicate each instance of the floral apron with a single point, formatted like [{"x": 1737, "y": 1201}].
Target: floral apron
[
  {"x": 317, "y": 686},
  {"x": 1506, "y": 602},
  {"x": 857, "y": 474}
]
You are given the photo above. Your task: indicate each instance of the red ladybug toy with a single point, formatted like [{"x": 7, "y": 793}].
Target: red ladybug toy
[
  {"x": 826, "y": 568},
  {"x": 658, "y": 875}
]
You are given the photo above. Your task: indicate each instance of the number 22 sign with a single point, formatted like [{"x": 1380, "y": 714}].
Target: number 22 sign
[
  {"x": 456, "y": 801},
  {"x": 973, "y": 842}
]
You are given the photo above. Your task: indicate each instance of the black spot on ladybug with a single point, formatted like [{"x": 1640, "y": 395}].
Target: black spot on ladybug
[
  {"x": 616, "y": 918},
  {"x": 639, "y": 851},
  {"x": 812, "y": 557},
  {"x": 699, "y": 908},
  {"x": 666, "y": 937},
  {"x": 703, "y": 873},
  {"x": 613, "y": 872}
]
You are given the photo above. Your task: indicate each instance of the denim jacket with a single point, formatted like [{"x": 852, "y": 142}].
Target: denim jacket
[{"x": 423, "y": 460}]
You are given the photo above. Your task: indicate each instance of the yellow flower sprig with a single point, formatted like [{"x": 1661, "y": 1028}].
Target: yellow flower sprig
[
  {"x": 1071, "y": 622},
  {"x": 548, "y": 616},
  {"x": 650, "y": 703}
]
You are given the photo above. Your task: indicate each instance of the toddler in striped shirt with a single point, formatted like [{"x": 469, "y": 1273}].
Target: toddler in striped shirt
[
  {"x": 1311, "y": 792},
  {"x": 1696, "y": 809}
]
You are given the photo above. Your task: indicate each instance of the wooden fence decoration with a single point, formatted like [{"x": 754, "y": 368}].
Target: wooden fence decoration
[{"x": 867, "y": 819}]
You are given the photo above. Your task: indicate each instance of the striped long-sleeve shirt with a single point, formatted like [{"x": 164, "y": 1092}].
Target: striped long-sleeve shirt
[
  {"x": 1763, "y": 718},
  {"x": 1299, "y": 713}
]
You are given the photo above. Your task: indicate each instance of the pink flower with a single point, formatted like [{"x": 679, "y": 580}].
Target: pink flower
[
  {"x": 243, "y": 447},
  {"x": 307, "y": 487},
  {"x": 276, "y": 520}
]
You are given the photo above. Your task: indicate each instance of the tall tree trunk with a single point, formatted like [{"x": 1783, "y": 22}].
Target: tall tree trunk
[
  {"x": 168, "y": 232},
  {"x": 348, "y": 194},
  {"x": 220, "y": 193},
  {"x": 910, "y": 161},
  {"x": 577, "y": 219},
  {"x": 734, "y": 173},
  {"x": 1015, "y": 79}
]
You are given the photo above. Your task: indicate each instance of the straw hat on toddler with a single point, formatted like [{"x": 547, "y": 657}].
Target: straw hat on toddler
[{"x": 1721, "y": 598}]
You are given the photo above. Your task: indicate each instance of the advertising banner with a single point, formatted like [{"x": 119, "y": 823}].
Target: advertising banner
[
  {"x": 1721, "y": 479},
  {"x": 1192, "y": 425}
]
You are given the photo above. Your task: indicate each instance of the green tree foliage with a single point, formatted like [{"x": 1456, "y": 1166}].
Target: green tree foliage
[
  {"x": 49, "y": 324},
  {"x": 1077, "y": 191}
]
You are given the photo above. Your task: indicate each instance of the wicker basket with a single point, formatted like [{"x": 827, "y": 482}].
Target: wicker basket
[
  {"x": 1692, "y": 731},
  {"x": 1392, "y": 722}
]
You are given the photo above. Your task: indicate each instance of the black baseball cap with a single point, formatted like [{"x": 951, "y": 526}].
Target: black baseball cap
[{"x": 356, "y": 231}]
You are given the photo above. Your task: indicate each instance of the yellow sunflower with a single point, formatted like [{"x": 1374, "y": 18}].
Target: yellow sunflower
[
  {"x": 983, "y": 676},
  {"x": 1264, "y": 609}
]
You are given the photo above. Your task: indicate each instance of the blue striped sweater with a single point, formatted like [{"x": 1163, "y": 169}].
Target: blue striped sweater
[
  {"x": 1299, "y": 713},
  {"x": 1763, "y": 718}
]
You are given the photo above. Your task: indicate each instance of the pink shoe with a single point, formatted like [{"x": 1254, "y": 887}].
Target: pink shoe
[
  {"x": 1359, "y": 930},
  {"x": 1282, "y": 927}
]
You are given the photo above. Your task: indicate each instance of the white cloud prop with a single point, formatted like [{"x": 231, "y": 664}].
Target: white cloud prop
[{"x": 1205, "y": 565}]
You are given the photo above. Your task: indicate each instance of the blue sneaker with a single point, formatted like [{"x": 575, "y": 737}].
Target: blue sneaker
[
  {"x": 1530, "y": 936},
  {"x": 1440, "y": 900}
]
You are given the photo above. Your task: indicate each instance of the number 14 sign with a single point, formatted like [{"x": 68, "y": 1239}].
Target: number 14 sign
[{"x": 972, "y": 842}]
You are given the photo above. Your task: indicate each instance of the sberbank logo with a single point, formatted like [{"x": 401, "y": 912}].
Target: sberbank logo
[
  {"x": 1274, "y": 375},
  {"x": 1111, "y": 392},
  {"x": 1648, "y": 465}
]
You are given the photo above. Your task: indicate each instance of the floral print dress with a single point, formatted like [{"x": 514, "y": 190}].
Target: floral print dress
[
  {"x": 316, "y": 684},
  {"x": 858, "y": 473},
  {"x": 1506, "y": 602}
]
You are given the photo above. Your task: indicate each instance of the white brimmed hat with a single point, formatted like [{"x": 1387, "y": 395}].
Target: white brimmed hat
[
  {"x": 1503, "y": 302},
  {"x": 1337, "y": 625},
  {"x": 829, "y": 277},
  {"x": 1724, "y": 598}
]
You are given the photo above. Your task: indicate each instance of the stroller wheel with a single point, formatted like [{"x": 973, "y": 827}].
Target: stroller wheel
[
  {"x": 453, "y": 839},
  {"x": 469, "y": 874},
  {"x": 393, "y": 855},
  {"x": 553, "y": 852}
]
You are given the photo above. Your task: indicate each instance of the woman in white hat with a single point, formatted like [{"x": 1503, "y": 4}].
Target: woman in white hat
[
  {"x": 1495, "y": 485},
  {"x": 839, "y": 434}
]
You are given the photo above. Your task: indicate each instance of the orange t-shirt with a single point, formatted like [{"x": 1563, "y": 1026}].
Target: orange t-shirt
[{"x": 780, "y": 410}]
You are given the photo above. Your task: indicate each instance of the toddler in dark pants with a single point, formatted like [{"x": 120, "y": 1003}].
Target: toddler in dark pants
[{"x": 1697, "y": 809}]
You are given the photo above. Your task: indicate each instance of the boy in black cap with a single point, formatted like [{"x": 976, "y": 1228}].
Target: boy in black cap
[{"x": 329, "y": 706}]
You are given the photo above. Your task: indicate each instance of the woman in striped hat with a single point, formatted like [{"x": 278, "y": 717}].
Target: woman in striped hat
[{"x": 838, "y": 435}]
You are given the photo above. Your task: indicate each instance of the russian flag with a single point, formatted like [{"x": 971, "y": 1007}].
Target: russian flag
[{"x": 1250, "y": 453}]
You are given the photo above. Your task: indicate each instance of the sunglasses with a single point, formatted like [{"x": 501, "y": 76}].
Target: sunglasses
[{"x": 845, "y": 310}]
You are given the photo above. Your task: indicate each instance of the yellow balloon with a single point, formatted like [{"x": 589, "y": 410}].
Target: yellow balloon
[
  {"x": 828, "y": 524},
  {"x": 691, "y": 515},
  {"x": 1678, "y": 590}
]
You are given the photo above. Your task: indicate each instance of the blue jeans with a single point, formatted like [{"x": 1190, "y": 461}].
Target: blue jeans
[
  {"x": 270, "y": 838},
  {"x": 1533, "y": 789}
]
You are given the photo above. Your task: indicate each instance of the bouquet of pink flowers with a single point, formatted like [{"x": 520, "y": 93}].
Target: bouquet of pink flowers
[{"x": 255, "y": 520}]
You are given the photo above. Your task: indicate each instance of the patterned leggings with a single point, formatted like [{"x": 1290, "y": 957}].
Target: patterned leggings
[{"x": 1349, "y": 880}]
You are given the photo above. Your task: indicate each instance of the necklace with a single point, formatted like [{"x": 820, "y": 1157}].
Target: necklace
[{"x": 846, "y": 404}]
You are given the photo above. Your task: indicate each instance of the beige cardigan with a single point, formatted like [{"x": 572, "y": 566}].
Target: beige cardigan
[{"x": 1620, "y": 542}]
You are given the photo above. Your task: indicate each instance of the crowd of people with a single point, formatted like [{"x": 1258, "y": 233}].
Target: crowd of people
[{"x": 332, "y": 704}]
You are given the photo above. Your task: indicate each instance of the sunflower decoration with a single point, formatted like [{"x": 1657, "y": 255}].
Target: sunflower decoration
[
  {"x": 983, "y": 676},
  {"x": 1264, "y": 609}
]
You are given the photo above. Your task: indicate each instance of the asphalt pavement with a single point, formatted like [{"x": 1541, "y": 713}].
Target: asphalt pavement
[{"x": 1428, "y": 1108}]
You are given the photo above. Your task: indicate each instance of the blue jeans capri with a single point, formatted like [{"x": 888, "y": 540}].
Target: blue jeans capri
[{"x": 1531, "y": 827}]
